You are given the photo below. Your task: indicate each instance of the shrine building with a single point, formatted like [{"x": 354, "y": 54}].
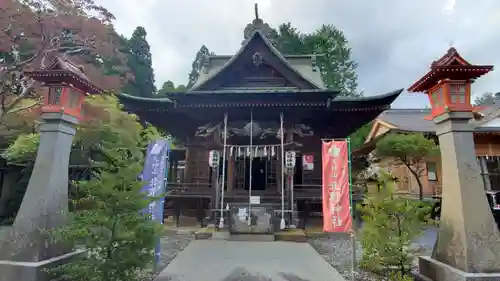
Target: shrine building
[{"x": 253, "y": 107}]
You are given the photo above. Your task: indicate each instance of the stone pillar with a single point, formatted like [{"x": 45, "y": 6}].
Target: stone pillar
[
  {"x": 468, "y": 237},
  {"x": 25, "y": 250}
]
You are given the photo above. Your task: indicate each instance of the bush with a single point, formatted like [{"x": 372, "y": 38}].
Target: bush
[
  {"x": 397, "y": 276},
  {"x": 391, "y": 224},
  {"x": 109, "y": 222}
]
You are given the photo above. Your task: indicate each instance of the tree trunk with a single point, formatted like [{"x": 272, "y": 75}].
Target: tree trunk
[{"x": 419, "y": 182}]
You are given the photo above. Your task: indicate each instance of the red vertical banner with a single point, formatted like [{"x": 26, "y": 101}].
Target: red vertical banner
[{"x": 336, "y": 199}]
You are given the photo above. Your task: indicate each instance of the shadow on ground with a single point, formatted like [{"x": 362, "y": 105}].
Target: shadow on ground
[{"x": 242, "y": 274}]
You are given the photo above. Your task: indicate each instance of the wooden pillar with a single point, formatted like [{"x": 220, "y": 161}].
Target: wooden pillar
[
  {"x": 230, "y": 173},
  {"x": 279, "y": 169},
  {"x": 186, "y": 166},
  {"x": 175, "y": 172},
  {"x": 214, "y": 202}
]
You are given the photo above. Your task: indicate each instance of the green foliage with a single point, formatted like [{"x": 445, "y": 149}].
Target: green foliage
[
  {"x": 169, "y": 87},
  {"x": 197, "y": 65},
  {"x": 337, "y": 68},
  {"x": 485, "y": 99},
  {"x": 397, "y": 276},
  {"x": 23, "y": 148},
  {"x": 391, "y": 225},
  {"x": 140, "y": 62},
  {"x": 410, "y": 150},
  {"x": 108, "y": 126},
  {"x": 358, "y": 138},
  {"x": 109, "y": 223}
]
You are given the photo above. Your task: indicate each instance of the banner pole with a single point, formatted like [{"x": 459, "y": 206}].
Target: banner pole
[
  {"x": 282, "y": 160},
  {"x": 221, "y": 221},
  {"x": 250, "y": 177},
  {"x": 353, "y": 236}
]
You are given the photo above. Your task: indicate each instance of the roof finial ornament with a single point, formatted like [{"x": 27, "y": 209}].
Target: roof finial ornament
[
  {"x": 256, "y": 7},
  {"x": 260, "y": 25}
]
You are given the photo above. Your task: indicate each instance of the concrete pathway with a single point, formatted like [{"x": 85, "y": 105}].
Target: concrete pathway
[{"x": 217, "y": 260}]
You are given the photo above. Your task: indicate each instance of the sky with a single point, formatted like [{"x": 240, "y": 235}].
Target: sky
[{"x": 393, "y": 41}]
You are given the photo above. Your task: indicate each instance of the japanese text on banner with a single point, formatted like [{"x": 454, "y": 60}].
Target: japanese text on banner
[{"x": 336, "y": 199}]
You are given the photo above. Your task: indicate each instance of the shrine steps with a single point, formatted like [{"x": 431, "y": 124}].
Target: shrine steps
[{"x": 252, "y": 237}]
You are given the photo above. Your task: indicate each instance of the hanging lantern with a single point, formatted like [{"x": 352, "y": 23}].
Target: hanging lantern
[
  {"x": 290, "y": 159},
  {"x": 213, "y": 158}
]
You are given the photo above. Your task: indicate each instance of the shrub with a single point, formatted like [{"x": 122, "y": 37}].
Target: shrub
[{"x": 391, "y": 224}]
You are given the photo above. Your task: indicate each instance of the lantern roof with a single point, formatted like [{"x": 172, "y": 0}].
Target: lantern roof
[
  {"x": 450, "y": 66},
  {"x": 62, "y": 70}
]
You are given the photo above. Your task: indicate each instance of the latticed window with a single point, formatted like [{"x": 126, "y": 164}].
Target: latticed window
[
  {"x": 437, "y": 96},
  {"x": 461, "y": 93},
  {"x": 54, "y": 95},
  {"x": 271, "y": 173},
  {"x": 74, "y": 99},
  {"x": 457, "y": 93}
]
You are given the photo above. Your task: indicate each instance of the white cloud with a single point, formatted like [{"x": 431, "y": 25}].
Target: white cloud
[{"x": 393, "y": 41}]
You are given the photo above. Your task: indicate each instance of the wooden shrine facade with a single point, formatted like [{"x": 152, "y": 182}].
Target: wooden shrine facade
[{"x": 253, "y": 88}]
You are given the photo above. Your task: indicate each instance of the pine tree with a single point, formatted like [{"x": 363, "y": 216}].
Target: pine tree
[
  {"x": 108, "y": 220},
  {"x": 338, "y": 70},
  {"x": 391, "y": 225},
  {"x": 139, "y": 60},
  {"x": 197, "y": 65}
]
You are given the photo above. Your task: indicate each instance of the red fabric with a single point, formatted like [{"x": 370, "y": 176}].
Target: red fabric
[{"x": 336, "y": 200}]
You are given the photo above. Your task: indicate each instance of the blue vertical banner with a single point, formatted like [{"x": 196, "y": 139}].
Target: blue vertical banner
[{"x": 155, "y": 174}]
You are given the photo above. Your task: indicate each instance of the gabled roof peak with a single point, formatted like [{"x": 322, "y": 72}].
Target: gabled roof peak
[
  {"x": 258, "y": 25},
  {"x": 452, "y": 57}
]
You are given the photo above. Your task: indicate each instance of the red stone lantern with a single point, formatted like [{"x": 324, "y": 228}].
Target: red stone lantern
[
  {"x": 448, "y": 83},
  {"x": 67, "y": 87}
]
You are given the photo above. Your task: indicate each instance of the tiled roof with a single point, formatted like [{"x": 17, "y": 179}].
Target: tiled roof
[
  {"x": 414, "y": 120},
  {"x": 408, "y": 119}
]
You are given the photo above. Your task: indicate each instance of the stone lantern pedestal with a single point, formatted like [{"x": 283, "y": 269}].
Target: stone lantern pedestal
[
  {"x": 25, "y": 250},
  {"x": 468, "y": 242}
]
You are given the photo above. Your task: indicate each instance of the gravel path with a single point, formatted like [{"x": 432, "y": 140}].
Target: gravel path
[
  {"x": 336, "y": 249},
  {"x": 171, "y": 244}
]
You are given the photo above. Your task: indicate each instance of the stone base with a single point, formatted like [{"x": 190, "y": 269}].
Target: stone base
[
  {"x": 32, "y": 271},
  {"x": 433, "y": 270}
]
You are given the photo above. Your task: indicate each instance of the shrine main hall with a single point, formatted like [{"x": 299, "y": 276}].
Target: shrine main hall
[{"x": 252, "y": 108}]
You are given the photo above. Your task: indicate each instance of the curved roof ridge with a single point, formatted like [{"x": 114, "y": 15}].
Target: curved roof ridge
[{"x": 271, "y": 47}]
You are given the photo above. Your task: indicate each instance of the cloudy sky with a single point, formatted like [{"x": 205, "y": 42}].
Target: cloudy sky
[{"x": 393, "y": 41}]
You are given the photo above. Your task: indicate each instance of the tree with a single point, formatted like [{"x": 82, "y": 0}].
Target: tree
[
  {"x": 105, "y": 215},
  {"x": 169, "y": 87},
  {"x": 337, "y": 68},
  {"x": 391, "y": 225},
  {"x": 410, "y": 150},
  {"x": 197, "y": 65},
  {"x": 139, "y": 61},
  {"x": 107, "y": 127},
  {"x": 358, "y": 138},
  {"x": 33, "y": 32},
  {"x": 108, "y": 220},
  {"x": 485, "y": 99}
]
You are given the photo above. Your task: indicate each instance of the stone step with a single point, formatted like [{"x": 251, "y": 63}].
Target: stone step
[
  {"x": 221, "y": 235},
  {"x": 252, "y": 237}
]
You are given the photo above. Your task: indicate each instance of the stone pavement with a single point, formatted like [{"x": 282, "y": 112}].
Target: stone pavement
[{"x": 218, "y": 260}]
